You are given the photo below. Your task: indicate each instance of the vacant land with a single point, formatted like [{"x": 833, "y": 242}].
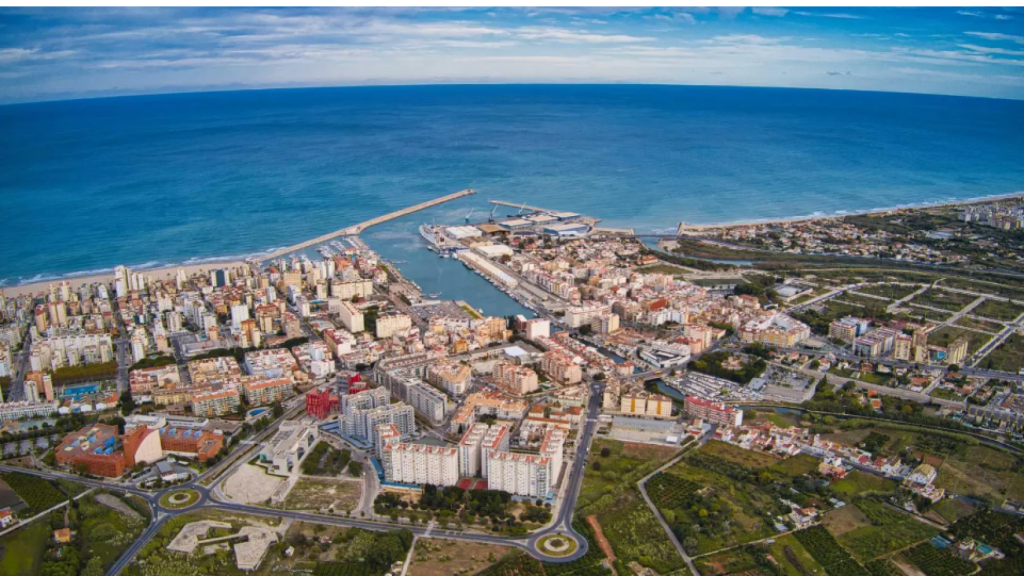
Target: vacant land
[
  {"x": 979, "y": 324},
  {"x": 947, "y": 334},
  {"x": 998, "y": 310},
  {"x": 1008, "y": 357},
  {"x": 952, "y": 509},
  {"x": 325, "y": 460},
  {"x": 735, "y": 561},
  {"x": 890, "y": 291},
  {"x": 845, "y": 519},
  {"x": 433, "y": 557},
  {"x": 798, "y": 465},
  {"x": 665, "y": 269},
  {"x": 739, "y": 455},
  {"x": 936, "y": 298},
  {"x": 320, "y": 493},
  {"x": 981, "y": 471},
  {"x": 251, "y": 485}
]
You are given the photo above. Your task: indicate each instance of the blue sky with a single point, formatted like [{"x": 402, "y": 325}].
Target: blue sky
[{"x": 68, "y": 53}]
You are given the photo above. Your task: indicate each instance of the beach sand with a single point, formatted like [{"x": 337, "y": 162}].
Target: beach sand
[{"x": 76, "y": 282}]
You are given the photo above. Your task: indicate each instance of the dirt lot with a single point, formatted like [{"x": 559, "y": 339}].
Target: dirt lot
[
  {"x": 437, "y": 557},
  {"x": 647, "y": 451},
  {"x": 251, "y": 485},
  {"x": 315, "y": 494},
  {"x": 602, "y": 542}
]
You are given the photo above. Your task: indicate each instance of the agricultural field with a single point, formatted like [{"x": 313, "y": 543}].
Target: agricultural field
[
  {"x": 435, "y": 557},
  {"x": 712, "y": 503},
  {"x": 793, "y": 558},
  {"x": 889, "y": 531},
  {"x": 828, "y": 553},
  {"x": 610, "y": 492},
  {"x": 1008, "y": 357},
  {"x": 734, "y": 561},
  {"x": 37, "y": 493},
  {"x": 998, "y": 310},
  {"x": 981, "y": 287},
  {"x": 934, "y": 562},
  {"x": 937, "y": 298},
  {"x": 858, "y": 482},
  {"x": 321, "y": 493}
]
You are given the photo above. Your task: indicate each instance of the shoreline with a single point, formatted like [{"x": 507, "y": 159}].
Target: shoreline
[
  {"x": 77, "y": 279},
  {"x": 161, "y": 273},
  {"x": 844, "y": 213}
]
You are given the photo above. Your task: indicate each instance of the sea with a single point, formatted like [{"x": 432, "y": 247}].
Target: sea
[{"x": 150, "y": 181}]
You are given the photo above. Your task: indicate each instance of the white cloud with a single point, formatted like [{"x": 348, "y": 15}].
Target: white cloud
[
  {"x": 575, "y": 37},
  {"x": 768, "y": 11},
  {"x": 840, "y": 15},
  {"x": 995, "y": 36}
]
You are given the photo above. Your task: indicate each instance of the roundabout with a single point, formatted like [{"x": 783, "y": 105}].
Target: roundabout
[
  {"x": 557, "y": 545},
  {"x": 179, "y": 499}
]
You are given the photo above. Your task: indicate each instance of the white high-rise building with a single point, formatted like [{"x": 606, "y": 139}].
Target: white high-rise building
[
  {"x": 239, "y": 314},
  {"x": 420, "y": 464},
  {"x": 477, "y": 444}
]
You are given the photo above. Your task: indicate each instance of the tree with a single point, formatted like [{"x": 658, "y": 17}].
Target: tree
[
  {"x": 606, "y": 452},
  {"x": 127, "y": 403},
  {"x": 596, "y": 466}
]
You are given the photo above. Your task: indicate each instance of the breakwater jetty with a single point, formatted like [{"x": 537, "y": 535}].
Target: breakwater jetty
[{"x": 358, "y": 228}]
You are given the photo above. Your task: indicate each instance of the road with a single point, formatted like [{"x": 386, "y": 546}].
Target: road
[
  {"x": 211, "y": 497},
  {"x": 642, "y": 484}
]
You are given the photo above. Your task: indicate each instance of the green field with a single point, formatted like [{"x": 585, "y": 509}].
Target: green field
[
  {"x": 889, "y": 531},
  {"x": 798, "y": 465},
  {"x": 739, "y": 455},
  {"x": 858, "y": 482},
  {"x": 793, "y": 558},
  {"x": 1008, "y": 357},
  {"x": 21, "y": 551}
]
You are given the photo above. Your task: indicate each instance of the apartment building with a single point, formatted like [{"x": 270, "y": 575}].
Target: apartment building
[
  {"x": 560, "y": 366},
  {"x": 351, "y": 317},
  {"x": 145, "y": 380},
  {"x": 713, "y": 412},
  {"x": 216, "y": 402},
  {"x": 451, "y": 376},
  {"x": 263, "y": 392},
  {"x": 428, "y": 401},
  {"x": 520, "y": 474},
  {"x": 477, "y": 444},
  {"x": 389, "y": 324},
  {"x": 515, "y": 379},
  {"x": 420, "y": 464}
]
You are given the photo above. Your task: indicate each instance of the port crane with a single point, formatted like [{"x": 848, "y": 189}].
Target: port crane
[
  {"x": 521, "y": 208},
  {"x": 471, "y": 210},
  {"x": 491, "y": 217}
]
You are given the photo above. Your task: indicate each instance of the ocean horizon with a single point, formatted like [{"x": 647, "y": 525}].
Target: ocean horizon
[{"x": 199, "y": 177}]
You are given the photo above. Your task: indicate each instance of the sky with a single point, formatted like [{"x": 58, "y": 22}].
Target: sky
[{"x": 53, "y": 53}]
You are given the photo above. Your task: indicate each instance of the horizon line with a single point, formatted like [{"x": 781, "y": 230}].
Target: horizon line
[{"x": 227, "y": 90}]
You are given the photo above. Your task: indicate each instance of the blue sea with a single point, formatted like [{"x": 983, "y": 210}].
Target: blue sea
[{"x": 153, "y": 180}]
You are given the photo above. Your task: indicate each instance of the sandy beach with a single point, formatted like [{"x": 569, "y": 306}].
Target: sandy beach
[{"x": 76, "y": 282}]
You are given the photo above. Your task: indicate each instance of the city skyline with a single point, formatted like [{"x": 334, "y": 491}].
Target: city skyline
[{"x": 48, "y": 54}]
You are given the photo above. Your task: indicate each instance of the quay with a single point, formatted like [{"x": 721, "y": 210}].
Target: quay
[{"x": 358, "y": 228}]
